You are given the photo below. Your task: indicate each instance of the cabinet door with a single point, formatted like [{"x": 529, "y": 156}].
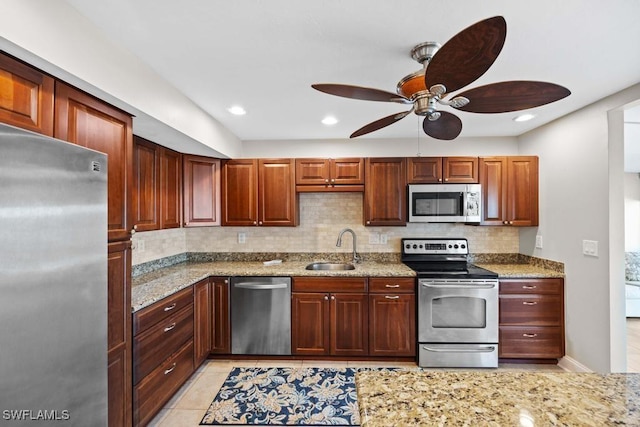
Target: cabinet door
[
  {"x": 312, "y": 171},
  {"x": 26, "y": 96},
  {"x": 392, "y": 319},
  {"x": 349, "y": 324},
  {"x": 170, "y": 188},
  {"x": 202, "y": 321},
  {"x": 460, "y": 170},
  {"x": 201, "y": 191},
  {"x": 145, "y": 197},
  {"x": 385, "y": 195},
  {"x": 89, "y": 122},
  {"x": 424, "y": 170},
  {"x": 240, "y": 192},
  {"x": 522, "y": 190},
  {"x": 493, "y": 178},
  {"x": 349, "y": 171},
  {"x": 119, "y": 333},
  {"x": 277, "y": 203},
  {"x": 221, "y": 327},
  {"x": 310, "y": 323}
]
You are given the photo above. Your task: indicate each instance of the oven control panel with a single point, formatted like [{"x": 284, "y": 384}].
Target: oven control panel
[{"x": 429, "y": 246}]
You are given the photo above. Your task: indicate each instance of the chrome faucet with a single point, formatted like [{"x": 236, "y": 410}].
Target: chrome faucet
[{"x": 356, "y": 258}]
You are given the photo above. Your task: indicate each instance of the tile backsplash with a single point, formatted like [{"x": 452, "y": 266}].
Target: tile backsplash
[{"x": 322, "y": 216}]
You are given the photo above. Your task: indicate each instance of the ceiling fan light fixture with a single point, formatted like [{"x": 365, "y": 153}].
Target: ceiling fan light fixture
[
  {"x": 524, "y": 117},
  {"x": 329, "y": 121},
  {"x": 237, "y": 110}
]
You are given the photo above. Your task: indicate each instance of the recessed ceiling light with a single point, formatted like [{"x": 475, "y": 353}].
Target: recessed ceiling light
[
  {"x": 237, "y": 110},
  {"x": 523, "y": 117},
  {"x": 329, "y": 121}
]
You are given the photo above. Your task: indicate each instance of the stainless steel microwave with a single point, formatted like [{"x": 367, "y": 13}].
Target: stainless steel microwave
[{"x": 445, "y": 203}]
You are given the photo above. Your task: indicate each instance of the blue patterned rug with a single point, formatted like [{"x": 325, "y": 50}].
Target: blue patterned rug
[{"x": 286, "y": 396}]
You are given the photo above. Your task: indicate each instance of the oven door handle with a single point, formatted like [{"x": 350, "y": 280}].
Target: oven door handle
[
  {"x": 487, "y": 349},
  {"x": 459, "y": 286}
]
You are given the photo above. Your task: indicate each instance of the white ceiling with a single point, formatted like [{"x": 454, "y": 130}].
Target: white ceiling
[{"x": 264, "y": 55}]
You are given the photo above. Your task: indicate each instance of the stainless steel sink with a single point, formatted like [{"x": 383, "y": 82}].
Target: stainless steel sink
[{"x": 330, "y": 266}]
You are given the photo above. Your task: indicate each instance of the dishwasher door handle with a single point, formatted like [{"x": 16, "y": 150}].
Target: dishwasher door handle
[{"x": 264, "y": 285}]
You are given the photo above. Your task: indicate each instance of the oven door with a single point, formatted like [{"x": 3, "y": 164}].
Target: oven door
[{"x": 458, "y": 311}]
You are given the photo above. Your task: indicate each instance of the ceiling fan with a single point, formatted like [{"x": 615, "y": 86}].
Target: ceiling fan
[{"x": 446, "y": 69}]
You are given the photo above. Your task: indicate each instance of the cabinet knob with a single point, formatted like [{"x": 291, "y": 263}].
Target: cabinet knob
[
  {"x": 326, "y": 298},
  {"x": 333, "y": 180},
  {"x": 505, "y": 222},
  {"x": 326, "y": 180},
  {"x": 510, "y": 222},
  {"x": 255, "y": 222},
  {"x": 259, "y": 222},
  {"x": 333, "y": 297},
  {"x": 446, "y": 180}
]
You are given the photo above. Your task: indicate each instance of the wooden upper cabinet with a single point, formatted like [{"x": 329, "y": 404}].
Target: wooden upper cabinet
[
  {"x": 146, "y": 183},
  {"x": 277, "y": 202},
  {"x": 385, "y": 195},
  {"x": 315, "y": 175},
  {"x": 509, "y": 190},
  {"x": 157, "y": 182},
  {"x": 240, "y": 192},
  {"x": 84, "y": 120},
  {"x": 450, "y": 170},
  {"x": 259, "y": 192},
  {"x": 201, "y": 191},
  {"x": 26, "y": 96}
]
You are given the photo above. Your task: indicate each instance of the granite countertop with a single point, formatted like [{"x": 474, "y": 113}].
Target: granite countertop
[
  {"x": 151, "y": 287},
  {"x": 465, "y": 398},
  {"x": 519, "y": 270}
]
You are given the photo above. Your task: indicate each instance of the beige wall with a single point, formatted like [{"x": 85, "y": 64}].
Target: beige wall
[{"x": 322, "y": 216}]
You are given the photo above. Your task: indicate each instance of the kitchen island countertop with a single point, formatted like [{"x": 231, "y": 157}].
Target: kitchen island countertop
[
  {"x": 513, "y": 398},
  {"x": 151, "y": 287}
]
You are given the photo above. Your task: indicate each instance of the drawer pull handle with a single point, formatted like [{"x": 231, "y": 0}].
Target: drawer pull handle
[
  {"x": 170, "y": 327},
  {"x": 391, "y": 286},
  {"x": 391, "y": 297},
  {"x": 529, "y": 302},
  {"x": 530, "y": 335},
  {"x": 168, "y": 371},
  {"x": 170, "y": 307},
  {"x": 529, "y": 286}
]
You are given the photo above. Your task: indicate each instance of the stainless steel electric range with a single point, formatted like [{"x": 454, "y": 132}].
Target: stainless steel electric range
[{"x": 457, "y": 304}]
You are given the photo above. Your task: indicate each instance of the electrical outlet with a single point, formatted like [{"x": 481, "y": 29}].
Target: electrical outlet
[
  {"x": 242, "y": 237},
  {"x": 374, "y": 238},
  {"x": 590, "y": 247},
  {"x": 384, "y": 239},
  {"x": 141, "y": 247},
  {"x": 539, "y": 242}
]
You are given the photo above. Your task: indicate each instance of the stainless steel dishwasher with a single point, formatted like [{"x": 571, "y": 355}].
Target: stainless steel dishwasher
[{"x": 261, "y": 315}]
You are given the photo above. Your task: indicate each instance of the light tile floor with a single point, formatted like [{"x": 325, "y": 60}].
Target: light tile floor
[{"x": 188, "y": 406}]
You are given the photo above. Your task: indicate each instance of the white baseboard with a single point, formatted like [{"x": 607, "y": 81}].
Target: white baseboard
[{"x": 572, "y": 365}]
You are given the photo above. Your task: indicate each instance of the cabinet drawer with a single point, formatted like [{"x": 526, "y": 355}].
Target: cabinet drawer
[
  {"x": 531, "y": 286},
  {"x": 157, "y": 388},
  {"x": 531, "y": 310},
  {"x": 329, "y": 284},
  {"x": 159, "y": 342},
  {"x": 531, "y": 342},
  {"x": 162, "y": 309},
  {"x": 392, "y": 285}
]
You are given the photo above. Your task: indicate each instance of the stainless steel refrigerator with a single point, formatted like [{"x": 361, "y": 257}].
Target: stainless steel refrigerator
[{"x": 53, "y": 281}]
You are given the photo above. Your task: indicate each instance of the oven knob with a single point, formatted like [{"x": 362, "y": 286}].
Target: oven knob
[
  {"x": 455, "y": 246},
  {"x": 449, "y": 246},
  {"x": 407, "y": 246},
  {"x": 415, "y": 246},
  {"x": 420, "y": 246},
  {"x": 463, "y": 246}
]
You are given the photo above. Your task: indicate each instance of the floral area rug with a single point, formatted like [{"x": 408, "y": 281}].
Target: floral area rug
[{"x": 287, "y": 396}]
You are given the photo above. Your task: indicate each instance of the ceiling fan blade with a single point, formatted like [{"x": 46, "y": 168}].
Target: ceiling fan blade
[
  {"x": 379, "y": 124},
  {"x": 512, "y": 96},
  {"x": 359, "y": 92},
  {"x": 447, "y": 127},
  {"x": 468, "y": 55}
]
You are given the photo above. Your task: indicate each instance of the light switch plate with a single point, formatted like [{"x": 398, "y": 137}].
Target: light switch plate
[
  {"x": 590, "y": 247},
  {"x": 539, "y": 242},
  {"x": 242, "y": 237},
  {"x": 384, "y": 239},
  {"x": 374, "y": 238}
]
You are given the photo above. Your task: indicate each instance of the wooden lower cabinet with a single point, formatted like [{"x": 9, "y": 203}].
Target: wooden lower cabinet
[
  {"x": 119, "y": 333},
  {"x": 202, "y": 321},
  {"x": 163, "y": 352},
  {"x": 392, "y": 317},
  {"x": 329, "y": 316},
  {"x": 220, "y": 316},
  {"x": 531, "y": 318}
]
